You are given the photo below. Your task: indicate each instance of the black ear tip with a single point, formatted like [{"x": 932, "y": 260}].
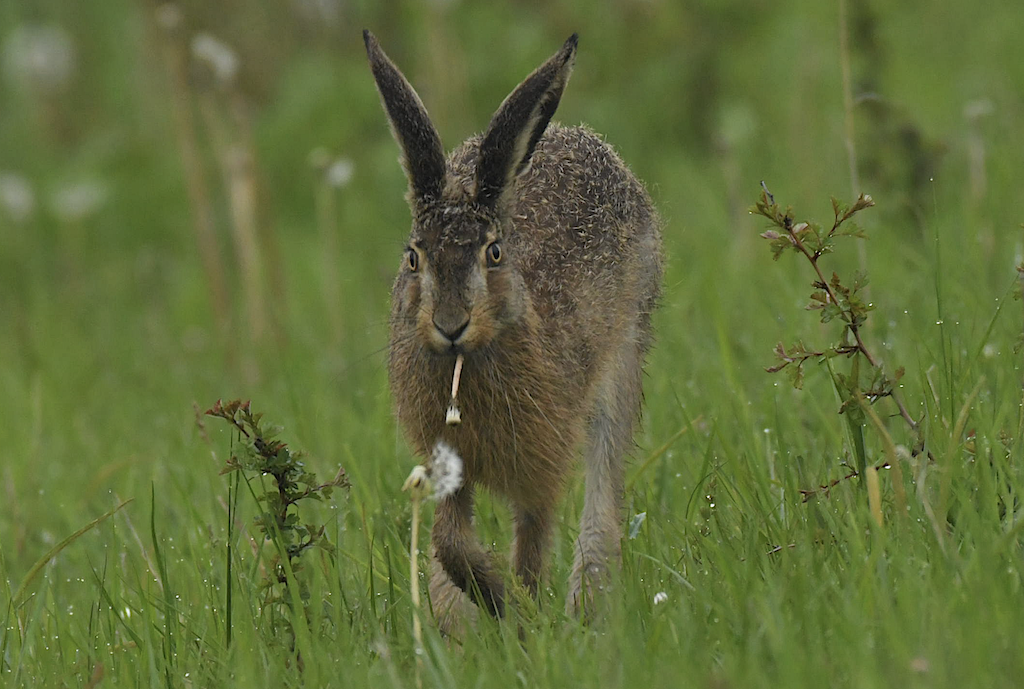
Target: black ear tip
[
  {"x": 368, "y": 39},
  {"x": 568, "y": 52}
]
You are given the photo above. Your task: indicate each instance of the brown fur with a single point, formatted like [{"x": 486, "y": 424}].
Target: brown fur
[{"x": 554, "y": 335}]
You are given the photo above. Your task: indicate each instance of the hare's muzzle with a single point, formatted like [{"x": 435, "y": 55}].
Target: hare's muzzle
[{"x": 450, "y": 325}]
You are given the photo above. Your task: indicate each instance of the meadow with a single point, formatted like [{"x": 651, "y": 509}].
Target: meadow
[{"x": 202, "y": 201}]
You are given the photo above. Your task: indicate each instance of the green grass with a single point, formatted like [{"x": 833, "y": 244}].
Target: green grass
[{"x": 108, "y": 338}]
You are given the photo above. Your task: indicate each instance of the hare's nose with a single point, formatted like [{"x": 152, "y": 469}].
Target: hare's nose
[{"x": 451, "y": 324}]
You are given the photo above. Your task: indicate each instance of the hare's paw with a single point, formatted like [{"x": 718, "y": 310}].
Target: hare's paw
[
  {"x": 454, "y": 613},
  {"x": 587, "y": 587}
]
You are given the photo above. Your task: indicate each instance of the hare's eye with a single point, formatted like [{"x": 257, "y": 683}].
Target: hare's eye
[
  {"x": 412, "y": 259},
  {"x": 493, "y": 254}
]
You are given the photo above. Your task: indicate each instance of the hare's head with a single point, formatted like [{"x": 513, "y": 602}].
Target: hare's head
[{"x": 460, "y": 284}]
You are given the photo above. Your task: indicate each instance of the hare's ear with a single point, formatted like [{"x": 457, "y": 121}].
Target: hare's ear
[
  {"x": 422, "y": 154},
  {"x": 519, "y": 123}
]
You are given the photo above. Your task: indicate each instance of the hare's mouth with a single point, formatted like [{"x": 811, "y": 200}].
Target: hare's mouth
[
  {"x": 453, "y": 340},
  {"x": 450, "y": 350},
  {"x": 453, "y": 350},
  {"x": 465, "y": 337}
]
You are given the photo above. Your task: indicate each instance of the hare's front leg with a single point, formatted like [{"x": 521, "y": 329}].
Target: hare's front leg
[
  {"x": 454, "y": 612},
  {"x": 610, "y": 436},
  {"x": 457, "y": 549},
  {"x": 532, "y": 532}
]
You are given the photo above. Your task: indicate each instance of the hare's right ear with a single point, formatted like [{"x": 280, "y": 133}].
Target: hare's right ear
[
  {"x": 422, "y": 154},
  {"x": 519, "y": 123}
]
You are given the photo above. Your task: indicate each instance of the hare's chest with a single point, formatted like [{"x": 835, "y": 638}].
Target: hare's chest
[{"x": 514, "y": 442}]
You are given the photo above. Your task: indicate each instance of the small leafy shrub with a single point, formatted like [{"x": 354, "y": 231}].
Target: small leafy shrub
[
  {"x": 258, "y": 453},
  {"x": 866, "y": 381}
]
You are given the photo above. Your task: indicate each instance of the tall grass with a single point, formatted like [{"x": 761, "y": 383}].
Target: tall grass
[{"x": 112, "y": 328}]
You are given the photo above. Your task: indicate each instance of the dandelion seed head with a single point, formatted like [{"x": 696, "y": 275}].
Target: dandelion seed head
[
  {"x": 78, "y": 201},
  {"x": 218, "y": 55},
  {"x": 445, "y": 470},
  {"x": 40, "y": 56},
  {"x": 16, "y": 196},
  {"x": 340, "y": 172}
]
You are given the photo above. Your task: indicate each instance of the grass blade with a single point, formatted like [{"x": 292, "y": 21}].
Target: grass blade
[{"x": 19, "y": 596}]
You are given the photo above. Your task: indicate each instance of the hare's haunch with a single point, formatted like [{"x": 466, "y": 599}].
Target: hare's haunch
[{"x": 535, "y": 254}]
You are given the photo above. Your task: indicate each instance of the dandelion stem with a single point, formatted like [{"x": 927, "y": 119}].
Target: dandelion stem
[
  {"x": 453, "y": 417},
  {"x": 414, "y": 585},
  {"x": 418, "y": 485}
]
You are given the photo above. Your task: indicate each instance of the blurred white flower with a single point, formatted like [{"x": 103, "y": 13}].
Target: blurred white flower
[
  {"x": 78, "y": 201},
  {"x": 218, "y": 55},
  {"x": 42, "y": 57},
  {"x": 340, "y": 172},
  {"x": 976, "y": 109},
  {"x": 660, "y": 597},
  {"x": 445, "y": 470},
  {"x": 16, "y": 196}
]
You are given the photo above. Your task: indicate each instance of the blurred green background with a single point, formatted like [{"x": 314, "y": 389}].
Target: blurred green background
[{"x": 203, "y": 200}]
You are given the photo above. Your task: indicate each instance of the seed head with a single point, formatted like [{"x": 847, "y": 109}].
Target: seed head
[{"x": 445, "y": 470}]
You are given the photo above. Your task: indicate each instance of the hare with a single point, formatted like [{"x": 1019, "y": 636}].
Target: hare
[{"x": 535, "y": 254}]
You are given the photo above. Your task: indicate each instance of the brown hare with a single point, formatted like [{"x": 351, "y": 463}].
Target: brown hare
[{"x": 536, "y": 255}]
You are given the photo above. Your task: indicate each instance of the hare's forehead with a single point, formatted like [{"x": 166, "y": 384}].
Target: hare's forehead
[{"x": 453, "y": 227}]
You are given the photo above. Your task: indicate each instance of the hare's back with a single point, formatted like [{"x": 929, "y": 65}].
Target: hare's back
[{"x": 585, "y": 233}]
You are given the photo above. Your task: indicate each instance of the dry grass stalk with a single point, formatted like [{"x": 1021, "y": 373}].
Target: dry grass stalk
[
  {"x": 327, "y": 222},
  {"x": 849, "y": 136},
  {"x": 170, "y": 21},
  {"x": 226, "y": 120},
  {"x": 236, "y": 165}
]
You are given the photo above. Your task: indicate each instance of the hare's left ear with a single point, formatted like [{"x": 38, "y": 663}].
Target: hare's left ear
[
  {"x": 519, "y": 123},
  {"x": 422, "y": 154}
]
